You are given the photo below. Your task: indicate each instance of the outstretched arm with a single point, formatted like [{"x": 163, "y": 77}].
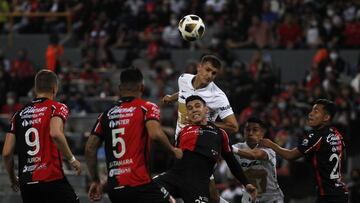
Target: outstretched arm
[
  {"x": 156, "y": 133},
  {"x": 170, "y": 98},
  {"x": 237, "y": 171},
  {"x": 252, "y": 154},
  {"x": 229, "y": 124},
  {"x": 289, "y": 154}
]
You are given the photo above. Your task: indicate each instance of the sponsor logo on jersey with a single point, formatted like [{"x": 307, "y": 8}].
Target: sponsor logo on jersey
[
  {"x": 119, "y": 171},
  {"x": 32, "y": 112},
  {"x": 117, "y": 112},
  {"x": 34, "y": 167},
  {"x": 224, "y": 108},
  {"x": 26, "y": 123},
  {"x": 249, "y": 164},
  {"x": 332, "y": 139},
  {"x": 113, "y": 124},
  {"x": 120, "y": 163},
  {"x": 305, "y": 142}
]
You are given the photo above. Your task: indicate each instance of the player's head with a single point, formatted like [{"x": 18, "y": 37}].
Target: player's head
[
  {"x": 46, "y": 82},
  {"x": 208, "y": 69},
  {"x": 131, "y": 82},
  {"x": 196, "y": 109},
  {"x": 321, "y": 113},
  {"x": 254, "y": 131}
]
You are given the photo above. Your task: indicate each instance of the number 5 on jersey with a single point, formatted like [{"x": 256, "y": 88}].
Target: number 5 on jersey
[{"x": 116, "y": 133}]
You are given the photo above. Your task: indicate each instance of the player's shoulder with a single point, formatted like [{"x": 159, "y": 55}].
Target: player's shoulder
[
  {"x": 186, "y": 77},
  {"x": 217, "y": 90}
]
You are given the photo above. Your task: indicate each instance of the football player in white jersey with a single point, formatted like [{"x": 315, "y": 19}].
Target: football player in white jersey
[
  {"x": 258, "y": 163},
  {"x": 202, "y": 85}
]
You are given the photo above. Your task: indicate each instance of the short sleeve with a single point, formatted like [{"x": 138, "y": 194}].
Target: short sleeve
[
  {"x": 152, "y": 112},
  {"x": 60, "y": 110},
  {"x": 310, "y": 143},
  {"x": 271, "y": 153},
  {"x": 226, "y": 143},
  {"x": 224, "y": 109},
  {"x": 98, "y": 128}
]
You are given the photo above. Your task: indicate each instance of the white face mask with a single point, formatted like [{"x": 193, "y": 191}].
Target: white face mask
[
  {"x": 10, "y": 101},
  {"x": 327, "y": 25},
  {"x": 333, "y": 56},
  {"x": 330, "y": 12}
]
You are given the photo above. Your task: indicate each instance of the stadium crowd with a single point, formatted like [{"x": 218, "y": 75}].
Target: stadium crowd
[{"x": 99, "y": 26}]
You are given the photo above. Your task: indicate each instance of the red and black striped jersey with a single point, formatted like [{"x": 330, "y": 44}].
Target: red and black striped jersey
[
  {"x": 325, "y": 149},
  {"x": 123, "y": 129},
  {"x": 39, "y": 158},
  {"x": 207, "y": 140}
]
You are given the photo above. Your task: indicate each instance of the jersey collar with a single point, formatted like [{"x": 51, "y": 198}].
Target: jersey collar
[{"x": 39, "y": 100}]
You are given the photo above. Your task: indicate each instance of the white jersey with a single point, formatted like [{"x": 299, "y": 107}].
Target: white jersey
[
  {"x": 215, "y": 99},
  {"x": 262, "y": 174}
]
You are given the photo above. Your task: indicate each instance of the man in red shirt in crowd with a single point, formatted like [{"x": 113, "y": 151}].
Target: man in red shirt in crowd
[{"x": 125, "y": 128}]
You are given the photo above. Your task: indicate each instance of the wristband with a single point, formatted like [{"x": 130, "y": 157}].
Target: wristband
[
  {"x": 72, "y": 159},
  {"x": 235, "y": 149}
]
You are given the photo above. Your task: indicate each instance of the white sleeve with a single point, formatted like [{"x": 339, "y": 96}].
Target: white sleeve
[
  {"x": 271, "y": 153},
  {"x": 224, "y": 107}
]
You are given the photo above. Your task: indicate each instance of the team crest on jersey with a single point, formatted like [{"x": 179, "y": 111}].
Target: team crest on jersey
[{"x": 305, "y": 142}]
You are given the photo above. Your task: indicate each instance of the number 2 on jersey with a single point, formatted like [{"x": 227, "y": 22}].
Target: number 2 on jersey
[
  {"x": 35, "y": 143},
  {"x": 335, "y": 173},
  {"x": 116, "y": 133}
]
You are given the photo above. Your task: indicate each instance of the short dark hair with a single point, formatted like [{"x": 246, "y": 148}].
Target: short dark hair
[
  {"x": 261, "y": 123},
  {"x": 329, "y": 106},
  {"x": 194, "y": 97},
  {"x": 131, "y": 76},
  {"x": 214, "y": 60},
  {"x": 45, "y": 80}
]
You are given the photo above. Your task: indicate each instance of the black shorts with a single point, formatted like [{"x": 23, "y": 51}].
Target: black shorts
[
  {"x": 333, "y": 199},
  {"x": 189, "y": 189},
  {"x": 58, "y": 191},
  {"x": 148, "y": 193}
]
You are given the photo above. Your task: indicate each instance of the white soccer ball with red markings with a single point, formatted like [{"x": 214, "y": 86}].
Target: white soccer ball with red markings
[{"x": 191, "y": 27}]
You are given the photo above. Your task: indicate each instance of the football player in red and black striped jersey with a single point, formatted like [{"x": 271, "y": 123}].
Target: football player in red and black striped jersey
[
  {"x": 323, "y": 147},
  {"x": 126, "y": 128},
  {"x": 203, "y": 143},
  {"x": 37, "y": 132}
]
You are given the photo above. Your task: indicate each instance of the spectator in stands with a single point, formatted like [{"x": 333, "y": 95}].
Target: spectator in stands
[
  {"x": 4, "y": 8},
  {"x": 12, "y": 104},
  {"x": 22, "y": 71},
  {"x": 5, "y": 82},
  {"x": 53, "y": 54},
  {"x": 289, "y": 32},
  {"x": 352, "y": 32},
  {"x": 258, "y": 33}
]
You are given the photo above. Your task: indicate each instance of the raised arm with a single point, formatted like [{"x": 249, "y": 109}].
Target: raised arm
[
  {"x": 229, "y": 124},
  {"x": 8, "y": 156},
  {"x": 170, "y": 98},
  {"x": 155, "y": 133},
  {"x": 289, "y": 154}
]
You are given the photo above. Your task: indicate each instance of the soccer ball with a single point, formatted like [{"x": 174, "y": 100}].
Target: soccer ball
[{"x": 191, "y": 27}]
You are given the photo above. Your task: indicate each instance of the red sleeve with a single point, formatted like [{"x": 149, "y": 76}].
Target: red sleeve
[
  {"x": 98, "y": 129},
  {"x": 152, "y": 112},
  {"x": 61, "y": 110},
  {"x": 226, "y": 143}
]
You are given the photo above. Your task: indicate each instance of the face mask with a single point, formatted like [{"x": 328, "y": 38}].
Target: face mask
[
  {"x": 10, "y": 101},
  {"x": 333, "y": 56},
  {"x": 330, "y": 12},
  {"x": 281, "y": 105},
  {"x": 327, "y": 25},
  {"x": 173, "y": 22}
]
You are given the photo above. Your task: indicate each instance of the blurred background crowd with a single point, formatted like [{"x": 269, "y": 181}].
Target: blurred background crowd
[{"x": 147, "y": 30}]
